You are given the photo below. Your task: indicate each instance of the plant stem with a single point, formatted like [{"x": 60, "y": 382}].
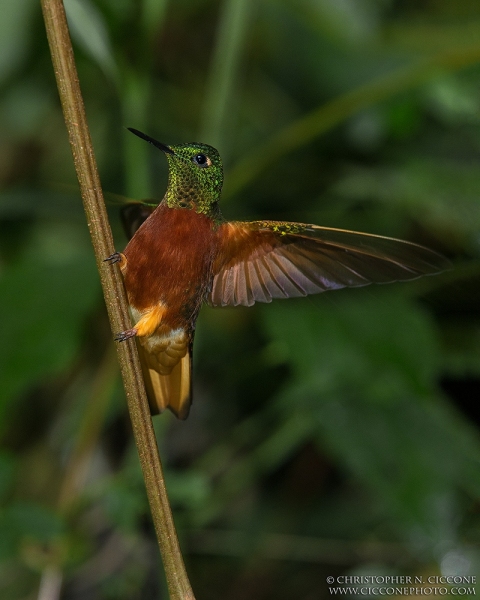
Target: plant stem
[
  {"x": 78, "y": 463},
  {"x": 223, "y": 76},
  {"x": 115, "y": 298},
  {"x": 88, "y": 432},
  {"x": 50, "y": 584}
]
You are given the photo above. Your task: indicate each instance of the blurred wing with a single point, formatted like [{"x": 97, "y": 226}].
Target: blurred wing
[
  {"x": 134, "y": 214},
  {"x": 261, "y": 260}
]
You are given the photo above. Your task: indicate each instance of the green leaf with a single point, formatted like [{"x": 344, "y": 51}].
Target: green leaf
[
  {"x": 190, "y": 488},
  {"x": 7, "y": 473},
  {"x": 360, "y": 338},
  {"x": 26, "y": 522},
  {"x": 15, "y": 26},
  {"x": 440, "y": 194},
  {"x": 91, "y": 33},
  {"x": 46, "y": 297},
  {"x": 125, "y": 500},
  {"x": 365, "y": 370}
]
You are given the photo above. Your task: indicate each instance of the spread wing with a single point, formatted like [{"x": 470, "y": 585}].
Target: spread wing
[{"x": 261, "y": 260}]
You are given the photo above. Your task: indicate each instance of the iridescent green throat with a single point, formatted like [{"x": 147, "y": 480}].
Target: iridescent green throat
[{"x": 195, "y": 178}]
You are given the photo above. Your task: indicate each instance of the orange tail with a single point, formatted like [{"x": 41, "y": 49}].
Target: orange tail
[{"x": 171, "y": 391}]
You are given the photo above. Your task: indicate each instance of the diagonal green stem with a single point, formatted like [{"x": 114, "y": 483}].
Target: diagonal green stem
[
  {"x": 226, "y": 59},
  {"x": 115, "y": 298},
  {"x": 323, "y": 118}
]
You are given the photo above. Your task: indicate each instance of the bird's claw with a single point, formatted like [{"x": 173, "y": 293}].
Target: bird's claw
[
  {"x": 113, "y": 258},
  {"x": 125, "y": 335}
]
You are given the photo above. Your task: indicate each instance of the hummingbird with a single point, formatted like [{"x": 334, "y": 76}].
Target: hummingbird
[{"x": 185, "y": 254}]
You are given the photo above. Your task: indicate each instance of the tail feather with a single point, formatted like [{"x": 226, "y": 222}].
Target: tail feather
[{"x": 171, "y": 391}]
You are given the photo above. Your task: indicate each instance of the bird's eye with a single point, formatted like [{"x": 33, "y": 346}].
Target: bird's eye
[{"x": 201, "y": 160}]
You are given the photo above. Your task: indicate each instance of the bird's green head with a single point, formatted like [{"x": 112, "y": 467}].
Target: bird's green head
[{"x": 195, "y": 175}]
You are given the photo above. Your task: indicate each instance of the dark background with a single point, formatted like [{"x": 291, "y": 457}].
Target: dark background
[{"x": 330, "y": 435}]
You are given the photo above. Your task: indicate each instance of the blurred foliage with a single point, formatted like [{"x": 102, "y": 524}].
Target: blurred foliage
[{"x": 331, "y": 435}]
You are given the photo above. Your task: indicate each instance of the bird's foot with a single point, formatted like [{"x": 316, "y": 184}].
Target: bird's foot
[
  {"x": 113, "y": 258},
  {"x": 117, "y": 258},
  {"x": 125, "y": 335}
]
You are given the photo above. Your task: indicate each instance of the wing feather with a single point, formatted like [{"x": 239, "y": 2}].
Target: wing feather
[
  {"x": 256, "y": 292},
  {"x": 262, "y": 260}
]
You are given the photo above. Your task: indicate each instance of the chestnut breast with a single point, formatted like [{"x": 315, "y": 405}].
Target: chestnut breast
[{"x": 169, "y": 260}]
